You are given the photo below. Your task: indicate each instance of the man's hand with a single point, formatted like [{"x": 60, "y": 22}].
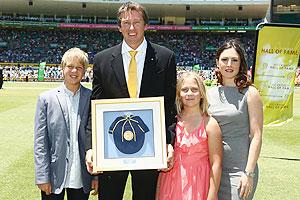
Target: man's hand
[
  {"x": 170, "y": 158},
  {"x": 45, "y": 187},
  {"x": 89, "y": 161}
]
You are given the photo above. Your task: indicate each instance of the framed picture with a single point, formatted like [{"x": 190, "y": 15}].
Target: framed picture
[{"x": 128, "y": 134}]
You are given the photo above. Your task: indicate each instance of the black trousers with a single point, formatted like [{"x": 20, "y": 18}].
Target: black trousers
[
  {"x": 112, "y": 184},
  {"x": 72, "y": 194}
]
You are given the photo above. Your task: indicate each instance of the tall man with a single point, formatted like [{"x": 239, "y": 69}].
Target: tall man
[
  {"x": 155, "y": 75},
  {"x": 59, "y": 134}
]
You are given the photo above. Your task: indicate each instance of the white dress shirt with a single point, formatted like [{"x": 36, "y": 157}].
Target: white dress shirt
[
  {"x": 73, "y": 173},
  {"x": 140, "y": 60}
]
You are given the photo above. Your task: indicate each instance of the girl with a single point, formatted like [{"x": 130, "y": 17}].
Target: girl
[{"x": 198, "y": 147}]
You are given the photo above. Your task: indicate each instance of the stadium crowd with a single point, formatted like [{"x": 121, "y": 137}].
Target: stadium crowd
[
  {"x": 30, "y": 73},
  {"x": 47, "y": 45},
  {"x": 99, "y": 20},
  {"x": 21, "y": 50}
]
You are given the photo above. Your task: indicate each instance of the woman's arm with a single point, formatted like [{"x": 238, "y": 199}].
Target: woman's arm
[
  {"x": 255, "y": 110},
  {"x": 215, "y": 157}
]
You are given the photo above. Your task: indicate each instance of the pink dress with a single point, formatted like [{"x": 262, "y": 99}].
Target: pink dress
[{"x": 189, "y": 178}]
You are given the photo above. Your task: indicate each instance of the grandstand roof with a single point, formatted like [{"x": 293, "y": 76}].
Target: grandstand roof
[{"x": 204, "y": 9}]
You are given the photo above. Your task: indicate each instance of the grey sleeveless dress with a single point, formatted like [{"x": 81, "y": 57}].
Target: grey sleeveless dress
[{"x": 229, "y": 107}]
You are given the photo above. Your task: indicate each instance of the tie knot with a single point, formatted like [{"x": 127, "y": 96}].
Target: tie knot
[{"x": 133, "y": 53}]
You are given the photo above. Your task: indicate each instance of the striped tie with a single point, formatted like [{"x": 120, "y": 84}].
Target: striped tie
[{"x": 132, "y": 76}]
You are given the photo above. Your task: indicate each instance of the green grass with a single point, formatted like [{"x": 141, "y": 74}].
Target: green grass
[{"x": 279, "y": 173}]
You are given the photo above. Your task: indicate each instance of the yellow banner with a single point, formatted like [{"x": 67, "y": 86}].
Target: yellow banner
[{"x": 277, "y": 56}]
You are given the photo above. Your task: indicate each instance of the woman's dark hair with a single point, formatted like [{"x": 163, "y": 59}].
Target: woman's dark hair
[{"x": 241, "y": 80}]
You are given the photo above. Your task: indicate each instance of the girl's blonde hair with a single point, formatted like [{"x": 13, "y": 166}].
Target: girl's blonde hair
[{"x": 203, "y": 101}]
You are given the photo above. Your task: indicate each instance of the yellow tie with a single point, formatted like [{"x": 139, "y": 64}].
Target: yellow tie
[{"x": 132, "y": 76}]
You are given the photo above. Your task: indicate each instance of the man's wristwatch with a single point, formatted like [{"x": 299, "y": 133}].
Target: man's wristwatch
[{"x": 250, "y": 174}]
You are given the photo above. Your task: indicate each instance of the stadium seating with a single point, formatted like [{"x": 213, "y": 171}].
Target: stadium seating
[{"x": 48, "y": 45}]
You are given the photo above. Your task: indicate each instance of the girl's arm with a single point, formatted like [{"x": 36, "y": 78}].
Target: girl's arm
[{"x": 215, "y": 149}]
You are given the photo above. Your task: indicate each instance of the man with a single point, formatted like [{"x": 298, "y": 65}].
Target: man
[
  {"x": 155, "y": 76},
  {"x": 59, "y": 134}
]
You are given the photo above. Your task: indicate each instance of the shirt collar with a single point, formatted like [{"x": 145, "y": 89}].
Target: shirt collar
[
  {"x": 142, "y": 48},
  {"x": 69, "y": 92}
]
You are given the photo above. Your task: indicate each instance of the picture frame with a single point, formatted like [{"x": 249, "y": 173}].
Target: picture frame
[{"x": 128, "y": 134}]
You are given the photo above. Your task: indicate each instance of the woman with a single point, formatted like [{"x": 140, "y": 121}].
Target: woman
[
  {"x": 198, "y": 147},
  {"x": 236, "y": 104}
]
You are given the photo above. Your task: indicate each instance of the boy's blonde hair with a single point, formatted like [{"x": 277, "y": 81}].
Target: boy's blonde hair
[{"x": 75, "y": 54}]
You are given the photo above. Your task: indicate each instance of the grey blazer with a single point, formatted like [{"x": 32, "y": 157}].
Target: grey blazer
[{"x": 52, "y": 138}]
